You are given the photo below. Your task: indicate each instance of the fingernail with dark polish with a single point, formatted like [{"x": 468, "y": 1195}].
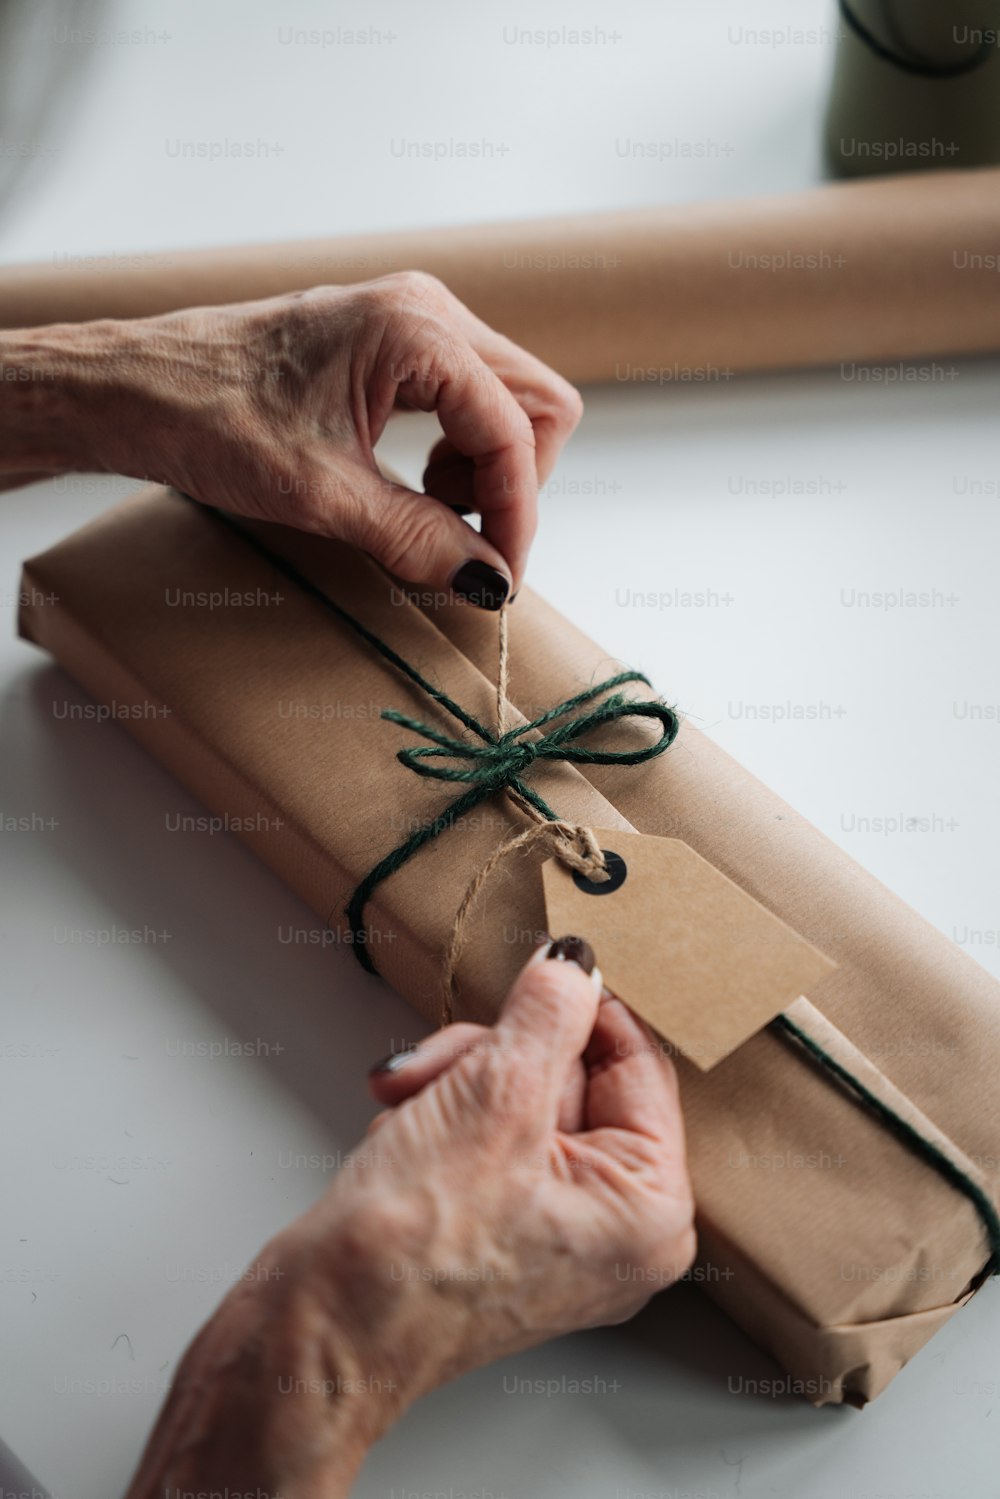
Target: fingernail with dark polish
[
  {"x": 392, "y": 1062},
  {"x": 480, "y": 584},
  {"x": 574, "y": 950}
]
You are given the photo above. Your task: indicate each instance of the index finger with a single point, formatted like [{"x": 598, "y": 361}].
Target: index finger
[{"x": 485, "y": 423}]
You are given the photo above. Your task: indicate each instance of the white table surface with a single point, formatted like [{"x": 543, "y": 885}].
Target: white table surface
[{"x": 139, "y": 1174}]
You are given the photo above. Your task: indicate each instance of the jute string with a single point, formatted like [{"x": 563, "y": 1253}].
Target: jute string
[{"x": 572, "y": 844}]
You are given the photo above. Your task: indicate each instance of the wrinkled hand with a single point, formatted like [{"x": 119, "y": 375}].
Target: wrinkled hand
[
  {"x": 525, "y": 1179},
  {"x": 273, "y": 409},
  {"x": 556, "y": 1141}
]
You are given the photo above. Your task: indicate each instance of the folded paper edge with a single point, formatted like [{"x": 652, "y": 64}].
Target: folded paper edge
[{"x": 828, "y": 1364}]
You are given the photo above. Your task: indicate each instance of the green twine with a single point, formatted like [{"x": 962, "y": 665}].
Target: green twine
[
  {"x": 497, "y": 765},
  {"x": 906, "y": 1132}
]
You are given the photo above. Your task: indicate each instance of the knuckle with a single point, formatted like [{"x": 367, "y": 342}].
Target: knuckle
[
  {"x": 305, "y": 312},
  {"x": 310, "y": 295},
  {"x": 565, "y": 406},
  {"x": 570, "y": 404},
  {"x": 509, "y": 423},
  {"x": 522, "y": 428},
  {"x": 413, "y": 289},
  {"x": 458, "y": 360},
  {"x": 370, "y": 304},
  {"x": 423, "y": 284}
]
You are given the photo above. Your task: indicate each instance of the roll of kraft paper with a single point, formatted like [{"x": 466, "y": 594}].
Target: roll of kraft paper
[
  {"x": 916, "y": 84},
  {"x": 861, "y": 271}
]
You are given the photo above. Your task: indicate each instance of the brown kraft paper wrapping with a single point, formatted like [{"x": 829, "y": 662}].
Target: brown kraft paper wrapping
[
  {"x": 834, "y": 1245},
  {"x": 899, "y": 268}
]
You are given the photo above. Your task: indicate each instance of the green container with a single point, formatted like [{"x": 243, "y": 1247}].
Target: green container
[{"x": 916, "y": 86}]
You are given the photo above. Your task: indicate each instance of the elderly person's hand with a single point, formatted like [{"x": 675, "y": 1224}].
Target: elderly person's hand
[
  {"x": 525, "y": 1179},
  {"x": 273, "y": 409}
]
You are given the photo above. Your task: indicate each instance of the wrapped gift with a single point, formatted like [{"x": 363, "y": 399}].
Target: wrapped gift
[{"x": 846, "y": 1183}]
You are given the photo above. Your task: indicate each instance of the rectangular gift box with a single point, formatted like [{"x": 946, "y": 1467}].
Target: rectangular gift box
[{"x": 842, "y": 1271}]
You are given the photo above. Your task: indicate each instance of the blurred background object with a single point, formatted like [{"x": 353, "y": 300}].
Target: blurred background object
[
  {"x": 44, "y": 47},
  {"x": 916, "y": 85}
]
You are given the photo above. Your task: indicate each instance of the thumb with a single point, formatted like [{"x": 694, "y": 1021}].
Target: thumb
[
  {"x": 550, "y": 1011},
  {"x": 420, "y": 540}
]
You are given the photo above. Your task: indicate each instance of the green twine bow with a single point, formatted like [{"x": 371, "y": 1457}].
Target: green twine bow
[{"x": 498, "y": 762}]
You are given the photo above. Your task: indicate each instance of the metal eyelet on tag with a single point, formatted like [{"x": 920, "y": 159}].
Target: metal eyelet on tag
[{"x": 617, "y": 869}]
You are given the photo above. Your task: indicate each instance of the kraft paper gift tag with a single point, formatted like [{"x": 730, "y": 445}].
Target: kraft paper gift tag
[{"x": 696, "y": 957}]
